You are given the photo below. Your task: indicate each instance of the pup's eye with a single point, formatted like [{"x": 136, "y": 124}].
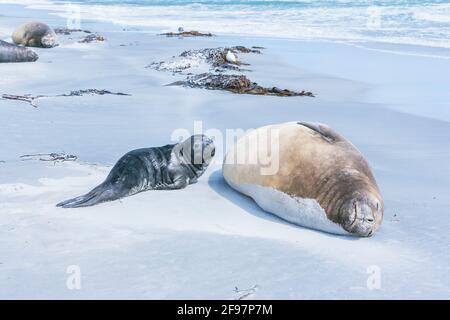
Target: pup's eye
[{"x": 181, "y": 152}]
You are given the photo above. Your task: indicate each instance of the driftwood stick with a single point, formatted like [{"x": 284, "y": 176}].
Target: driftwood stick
[{"x": 31, "y": 100}]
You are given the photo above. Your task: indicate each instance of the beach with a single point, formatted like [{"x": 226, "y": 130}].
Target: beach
[{"x": 207, "y": 241}]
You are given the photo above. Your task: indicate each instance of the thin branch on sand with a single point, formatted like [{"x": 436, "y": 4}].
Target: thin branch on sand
[{"x": 245, "y": 293}]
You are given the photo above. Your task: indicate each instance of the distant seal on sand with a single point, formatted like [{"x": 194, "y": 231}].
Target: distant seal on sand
[
  {"x": 11, "y": 53},
  {"x": 161, "y": 168},
  {"x": 35, "y": 34},
  {"x": 322, "y": 181}
]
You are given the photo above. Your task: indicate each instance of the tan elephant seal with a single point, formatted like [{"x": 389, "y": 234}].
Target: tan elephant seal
[
  {"x": 35, "y": 34},
  {"x": 319, "y": 180}
]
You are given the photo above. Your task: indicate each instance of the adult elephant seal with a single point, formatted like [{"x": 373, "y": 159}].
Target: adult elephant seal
[
  {"x": 35, "y": 34},
  {"x": 319, "y": 180},
  {"x": 11, "y": 53},
  {"x": 162, "y": 168}
]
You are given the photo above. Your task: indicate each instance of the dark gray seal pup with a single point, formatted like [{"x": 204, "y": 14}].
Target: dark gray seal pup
[
  {"x": 35, "y": 34},
  {"x": 161, "y": 168},
  {"x": 11, "y": 53}
]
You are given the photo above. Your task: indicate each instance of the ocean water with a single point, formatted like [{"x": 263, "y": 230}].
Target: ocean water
[{"x": 406, "y": 22}]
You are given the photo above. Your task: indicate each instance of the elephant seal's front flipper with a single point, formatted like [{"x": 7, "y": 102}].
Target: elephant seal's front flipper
[
  {"x": 319, "y": 180},
  {"x": 169, "y": 167}
]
